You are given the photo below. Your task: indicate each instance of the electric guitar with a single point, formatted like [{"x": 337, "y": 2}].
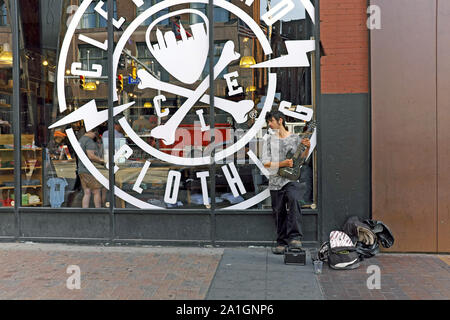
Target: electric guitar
[{"x": 294, "y": 172}]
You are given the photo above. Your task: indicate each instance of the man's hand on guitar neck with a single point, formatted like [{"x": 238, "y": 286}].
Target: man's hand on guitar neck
[{"x": 307, "y": 144}]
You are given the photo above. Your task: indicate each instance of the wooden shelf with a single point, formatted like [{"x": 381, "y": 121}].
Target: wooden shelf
[
  {"x": 8, "y": 90},
  {"x": 26, "y": 166},
  {"x": 26, "y": 205},
  {"x": 4, "y": 169},
  {"x": 23, "y": 187}
]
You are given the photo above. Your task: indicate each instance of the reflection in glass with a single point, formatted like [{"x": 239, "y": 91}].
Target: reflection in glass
[
  {"x": 91, "y": 18},
  {"x": 220, "y": 14},
  {"x": 142, "y": 175},
  {"x": 147, "y": 4},
  {"x": 218, "y": 47},
  {"x": 50, "y": 165},
  {"x": 89, "y": 55},
  {"x": 145, "y": 57}
]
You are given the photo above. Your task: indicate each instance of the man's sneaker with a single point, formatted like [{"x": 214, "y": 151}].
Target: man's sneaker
[
  {"x": 295, "y": 244},
  {"x": 279, "y": 249}
]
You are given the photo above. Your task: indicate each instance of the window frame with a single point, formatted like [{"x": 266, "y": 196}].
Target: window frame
[
  {"x": 4, "y": 21},
  {"x": 100, "y": 22},
  {"x": 103, "y": 61}
]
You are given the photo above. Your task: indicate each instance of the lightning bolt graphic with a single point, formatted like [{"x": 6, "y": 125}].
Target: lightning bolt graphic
[
  {"x": 296, "y": 56},
  {"x": 90, "y": 115}
]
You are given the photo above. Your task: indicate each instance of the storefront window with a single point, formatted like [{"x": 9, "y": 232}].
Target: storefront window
[
  {"x": 3, "y": 13},
  {"x": 6, "y": 114},
  {"x": 146, "y": 175},
  {"x": 51, "y": 170}
]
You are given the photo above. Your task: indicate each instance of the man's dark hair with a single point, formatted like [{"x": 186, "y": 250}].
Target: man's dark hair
[{"x": 277, "y": 115}]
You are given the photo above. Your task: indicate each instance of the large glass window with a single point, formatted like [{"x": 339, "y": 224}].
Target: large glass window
[
  {"x": 250, "y": 87},
  {"x": 163, "y": 122},
  {"x": 52, "y": 170}
]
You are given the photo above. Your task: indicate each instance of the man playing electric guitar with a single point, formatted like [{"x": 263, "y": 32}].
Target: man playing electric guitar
[{"x": 282, "y": 190}]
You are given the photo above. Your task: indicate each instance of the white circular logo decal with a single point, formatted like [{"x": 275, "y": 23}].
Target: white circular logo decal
[{"x": 185, "y": 60}]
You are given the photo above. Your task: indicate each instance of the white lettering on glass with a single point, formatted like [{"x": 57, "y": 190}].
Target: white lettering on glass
[
  {"x": 76, "y": 70},
  {"x": 233, "y": 180},
  {"x": 232, "y": 84},
  {"x": 141, "y": 176},
  {"x": 173, "y": 180}
]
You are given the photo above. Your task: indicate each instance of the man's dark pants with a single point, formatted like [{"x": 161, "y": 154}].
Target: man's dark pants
[{"x": 288, "y": 222}]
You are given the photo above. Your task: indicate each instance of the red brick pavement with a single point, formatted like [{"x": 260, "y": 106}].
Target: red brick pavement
[
  {"x": 403, "y": 277},
  {"x": 36, "y": 271}
]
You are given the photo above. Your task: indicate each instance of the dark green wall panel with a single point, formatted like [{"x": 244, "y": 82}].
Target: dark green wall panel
[
  {"x": 7, "y": 223},
  {"x": 344, "y": 171}
]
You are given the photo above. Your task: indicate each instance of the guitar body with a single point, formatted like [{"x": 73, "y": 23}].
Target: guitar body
[{"x": 294, "y": 172}]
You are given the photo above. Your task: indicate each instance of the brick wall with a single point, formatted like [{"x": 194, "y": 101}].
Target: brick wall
[{"x": 344, "y": 36}]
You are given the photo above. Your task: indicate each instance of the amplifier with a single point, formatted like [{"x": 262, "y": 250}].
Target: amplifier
[{"x": 295, "y": 256}]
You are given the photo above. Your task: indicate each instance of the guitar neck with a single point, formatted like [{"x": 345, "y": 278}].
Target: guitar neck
[{"x": 301, "y": 148}]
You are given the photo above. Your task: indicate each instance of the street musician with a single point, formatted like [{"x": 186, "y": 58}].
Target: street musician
[{"x": 284, "y": 192}]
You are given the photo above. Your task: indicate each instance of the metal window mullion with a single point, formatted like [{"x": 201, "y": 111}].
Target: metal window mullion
[
  {"x": 212, "y": 168},
  {"x": 317, "y": 93},
  {"x": 16, "y": 115},
  {"x": 111, "y": 144}
]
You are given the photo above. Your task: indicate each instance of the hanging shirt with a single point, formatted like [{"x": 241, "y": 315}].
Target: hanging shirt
[{"x": 57, "y": 194}]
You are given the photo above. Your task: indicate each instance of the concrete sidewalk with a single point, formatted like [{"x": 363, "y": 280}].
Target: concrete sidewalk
[
  {"x": 258, "y": 274},
  {"x": 42, "y": 271}
]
